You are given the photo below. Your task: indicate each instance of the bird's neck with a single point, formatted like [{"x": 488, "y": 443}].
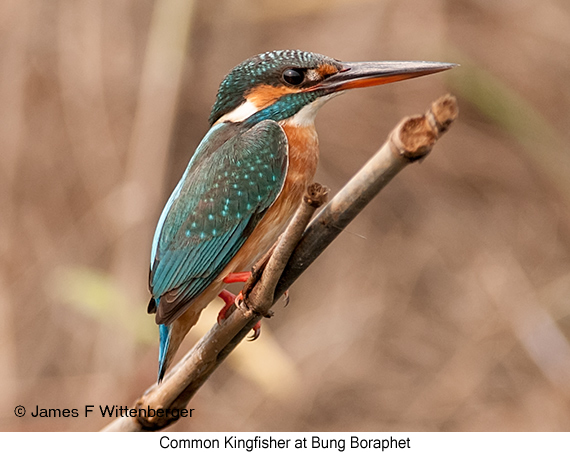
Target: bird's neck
[
  {"x": 303, "y": 156},
  {"x": 303, "y": 145}
]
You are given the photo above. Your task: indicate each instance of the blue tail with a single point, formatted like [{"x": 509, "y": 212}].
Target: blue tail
[{"x": 165, "y": 332}]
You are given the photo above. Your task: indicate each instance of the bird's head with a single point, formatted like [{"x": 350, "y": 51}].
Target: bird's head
[{"x": 280, "y": 84}]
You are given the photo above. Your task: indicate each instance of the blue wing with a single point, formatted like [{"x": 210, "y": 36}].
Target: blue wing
[{"x": 233, "y": 178}]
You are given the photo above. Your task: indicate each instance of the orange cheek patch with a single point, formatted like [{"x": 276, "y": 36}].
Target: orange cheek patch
[
  {"x": 265, "y": 95},
  {"x": 327, "y": 69}
]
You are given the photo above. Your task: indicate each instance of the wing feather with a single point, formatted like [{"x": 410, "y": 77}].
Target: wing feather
[{"x": 225, "y": 191}]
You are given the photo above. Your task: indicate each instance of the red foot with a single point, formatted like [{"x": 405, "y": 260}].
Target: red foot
[
  {"x": 237, "y": 277},
  {"x": 229, "y": 299}
]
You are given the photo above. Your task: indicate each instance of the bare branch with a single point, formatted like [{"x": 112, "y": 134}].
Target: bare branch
[
  {"x": 411, "y": 140},
  {"x": 262, "y": 296}
]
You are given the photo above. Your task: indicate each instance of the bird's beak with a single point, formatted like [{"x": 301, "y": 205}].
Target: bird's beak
[{"x": 359, "y": 75}]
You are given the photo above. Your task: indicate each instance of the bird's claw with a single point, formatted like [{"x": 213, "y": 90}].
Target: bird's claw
[
  {"x": 239, "y": 300},
  {"x": 286, "y": 298},
  {"x": 256, "y": 332}
]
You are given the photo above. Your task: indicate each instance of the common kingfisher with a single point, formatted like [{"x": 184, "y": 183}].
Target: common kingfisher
[{"x": 247, "y": 178}]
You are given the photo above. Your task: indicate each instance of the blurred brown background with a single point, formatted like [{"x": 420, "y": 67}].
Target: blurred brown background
[{"x": 444, "y": 306}]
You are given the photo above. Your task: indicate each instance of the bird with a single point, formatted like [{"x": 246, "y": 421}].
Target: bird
[{"x": 246, "y": 178}]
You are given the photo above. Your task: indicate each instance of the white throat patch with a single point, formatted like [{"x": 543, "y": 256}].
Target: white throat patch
[
  {"x": 306, "y": 115},
  {"x": 240, "y": 113}
]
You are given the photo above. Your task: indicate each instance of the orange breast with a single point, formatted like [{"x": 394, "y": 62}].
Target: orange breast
[{"x": 303, "y": 159}]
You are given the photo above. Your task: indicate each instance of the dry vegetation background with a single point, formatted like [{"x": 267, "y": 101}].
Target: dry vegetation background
[{"x": 444, "y": 306}]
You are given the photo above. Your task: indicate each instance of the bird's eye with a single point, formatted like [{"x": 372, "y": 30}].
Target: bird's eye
[{"x": 293, "y": 76}]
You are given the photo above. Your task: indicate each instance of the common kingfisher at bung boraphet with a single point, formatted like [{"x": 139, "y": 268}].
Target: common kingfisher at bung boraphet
[{"x": 247, "y": 178}]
